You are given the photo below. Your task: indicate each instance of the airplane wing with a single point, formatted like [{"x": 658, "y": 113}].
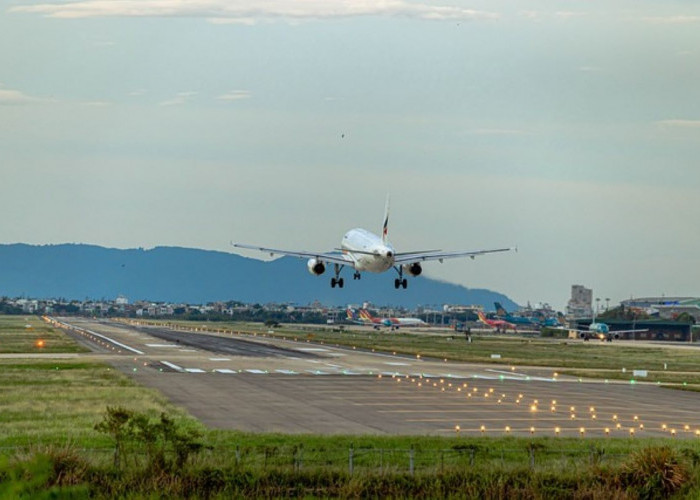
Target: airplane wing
[
  {"x": 326, "y": 257},
  {"x": 404, "y": 258},
  {"x": 628, "y": 331}
]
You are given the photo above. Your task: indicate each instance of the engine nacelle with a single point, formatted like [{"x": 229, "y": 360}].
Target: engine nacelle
[
  {"x": 316, "y": 267},
  {"x": 413, "y": 269}
]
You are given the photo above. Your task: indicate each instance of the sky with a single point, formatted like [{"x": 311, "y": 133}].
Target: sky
[{"x": 570, "y": 129}]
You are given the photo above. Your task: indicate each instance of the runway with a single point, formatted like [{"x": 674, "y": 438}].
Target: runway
[{"x": 271, "y": 385}]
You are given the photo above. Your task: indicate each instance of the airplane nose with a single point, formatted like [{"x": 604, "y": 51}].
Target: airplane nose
[{"x": 389, "y": 254}]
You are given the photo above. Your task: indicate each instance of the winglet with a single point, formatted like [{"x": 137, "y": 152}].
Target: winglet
[{"x": 385, "y": 226}]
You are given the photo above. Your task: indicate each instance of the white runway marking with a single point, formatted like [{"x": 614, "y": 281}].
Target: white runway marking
[
  {"x": 287, "y": 372},
  {"x": 194, "y": 370},
  {"x": 162, "y": 345},
  {"x": 257, "y": 372},
  {"x": 219, "y": 359},
  {"x": 173, "y": 366},
  {"x": 312, "y": 349},
  {"x": 226, "y": 370},
  {"x": 394, "y": 363}
]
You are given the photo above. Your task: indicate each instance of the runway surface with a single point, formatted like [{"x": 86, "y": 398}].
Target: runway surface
[{"x": 271, "y": 385}]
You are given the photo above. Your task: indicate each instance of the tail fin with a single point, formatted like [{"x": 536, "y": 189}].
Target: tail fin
[
  {"x": 481, "y": 316},
  {"x": 351, "y": 314},
  {"x": 385, "y": 226},
  {"x": 500, "y": 310},
  {"x": 366, "y": 315}
]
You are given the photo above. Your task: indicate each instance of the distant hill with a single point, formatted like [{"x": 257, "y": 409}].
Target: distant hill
[{"x": 173, "y": 274}]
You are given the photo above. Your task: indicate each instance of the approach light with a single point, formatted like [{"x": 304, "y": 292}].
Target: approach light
[
  {"x": 40, "y": 343},
  {"x": 557, "y": 430}
]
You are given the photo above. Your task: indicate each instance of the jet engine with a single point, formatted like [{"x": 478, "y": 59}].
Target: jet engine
[
  {"x": 413, "y": 269},
  {"x": 316, "y": 267}
]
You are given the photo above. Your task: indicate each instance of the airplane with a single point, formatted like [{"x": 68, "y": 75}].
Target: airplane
[
  {"x": 366, "y": 318},
  {"x": 392, "y": 322},
  {"x": 498, "y": 324},
  {"x": 602, "y": 331},
  {"x": 524, "y": 320},
  {"x": 366, "y": 251},
  {"x": 362, "y": 320}
]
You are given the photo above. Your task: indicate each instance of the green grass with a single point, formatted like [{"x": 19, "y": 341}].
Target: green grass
[
  {"x": 20, "y": 334},
  {"x": 58, "y": 402}
]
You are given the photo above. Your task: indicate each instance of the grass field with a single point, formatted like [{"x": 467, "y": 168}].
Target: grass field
[
  {"x": 593, "y": 359},
  {"x": 30, "y": 334},
  {"x": 58, "y": 401}
]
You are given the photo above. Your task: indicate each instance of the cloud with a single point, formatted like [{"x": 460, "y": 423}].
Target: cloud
[
  {"x": 569, "y": 14},
  {"x": 673, "y": 20},
  {"x": 679, "y": 123},
  {"x": 180, "y": 98},
  {"x": 495, "y": 131},
  {"x": 247, "y": 12},
  {"x": 8, "y": 97},
  {"x": 235, "y": 95}
]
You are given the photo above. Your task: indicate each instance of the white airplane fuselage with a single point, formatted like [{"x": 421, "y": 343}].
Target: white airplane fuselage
[{"x": 368, "y": 251}]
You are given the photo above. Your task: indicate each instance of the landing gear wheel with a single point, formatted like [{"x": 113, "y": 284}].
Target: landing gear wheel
[
  {"x": 340, "y": 283},
  {"x": 333, "y": 282},
  {"x": 397, "y": 283},
  {"x": 356, "y": 276},
  {"x": 404, "y": 283}
]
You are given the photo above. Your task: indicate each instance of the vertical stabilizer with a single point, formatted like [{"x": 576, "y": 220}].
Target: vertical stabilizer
[{"x": 385, "y": 226}]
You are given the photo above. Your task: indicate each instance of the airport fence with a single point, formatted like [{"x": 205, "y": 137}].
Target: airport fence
[
  {"x": 414, "y": 460},
  {"x": 370, "y": 460}
]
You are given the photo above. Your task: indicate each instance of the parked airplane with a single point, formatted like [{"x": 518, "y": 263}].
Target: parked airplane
[
  {"x": 361, "y": 320},
  {"x": 498, "y": 324},
  {"x": 366, "y": 318},
  {"x": 524, "y": 320},
  {"x": 365, "y": 251}
]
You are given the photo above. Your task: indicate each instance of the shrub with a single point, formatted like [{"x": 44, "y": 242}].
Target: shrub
[{"x": 655, "y": 472}]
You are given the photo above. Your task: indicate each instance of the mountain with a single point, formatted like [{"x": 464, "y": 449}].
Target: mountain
[{"x": 173, "y": 274}]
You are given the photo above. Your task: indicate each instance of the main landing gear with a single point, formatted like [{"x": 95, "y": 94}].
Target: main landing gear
[
  {"x": 337, "y": 280},
  {"x": 356, "y": 276},
  {"x": 400, "y": 282}
]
